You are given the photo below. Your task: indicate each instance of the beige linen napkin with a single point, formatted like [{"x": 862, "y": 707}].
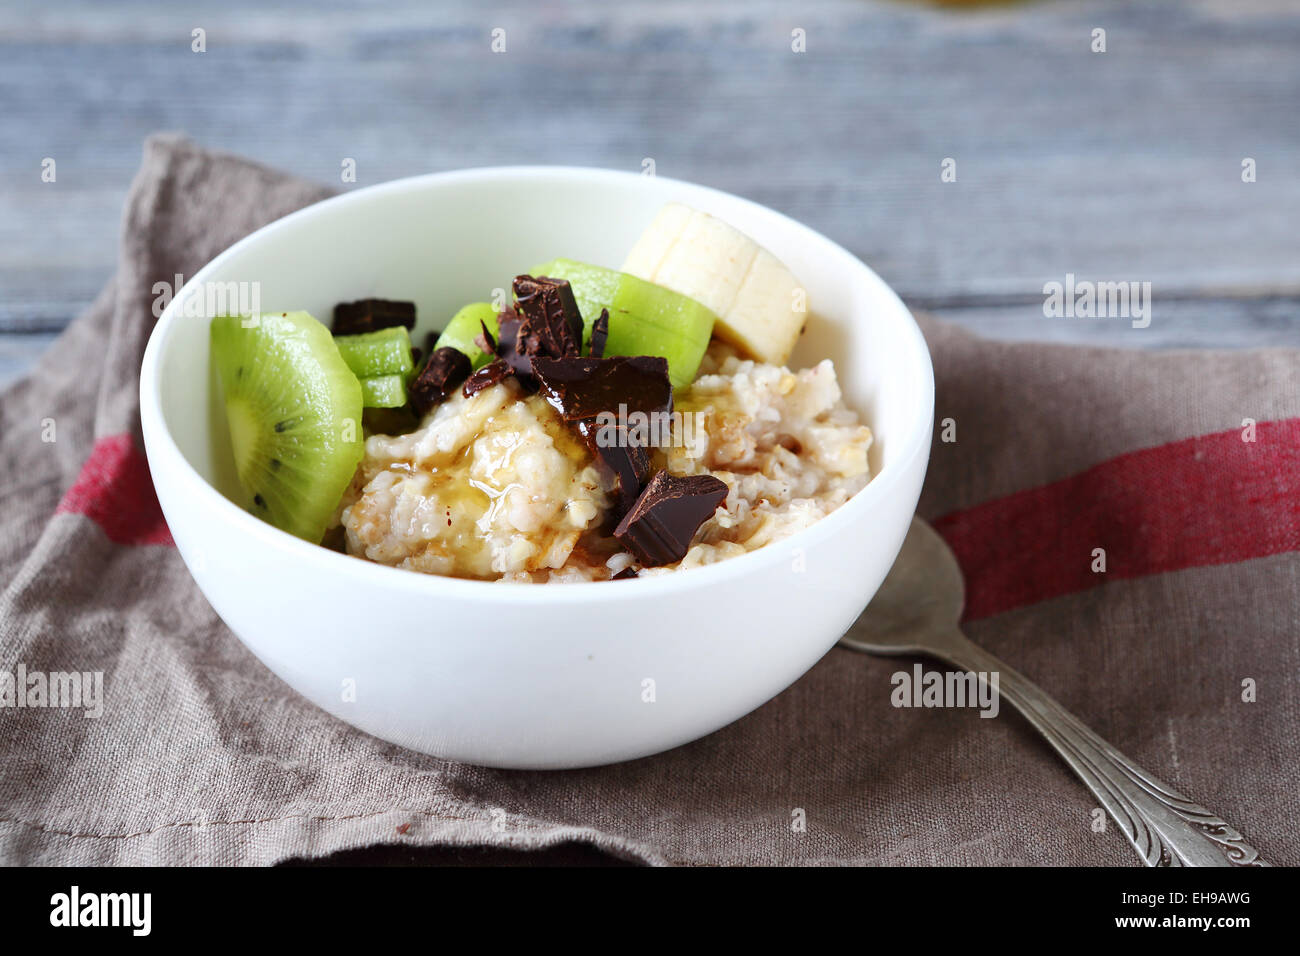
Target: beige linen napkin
[{"x": 1184, "y": 652}]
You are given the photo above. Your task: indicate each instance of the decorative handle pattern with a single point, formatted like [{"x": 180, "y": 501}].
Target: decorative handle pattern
[{"x": 1165, "y": 828}]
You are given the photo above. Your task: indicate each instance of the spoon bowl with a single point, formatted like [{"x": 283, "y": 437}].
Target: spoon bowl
[{"x": 920, "y": 601}]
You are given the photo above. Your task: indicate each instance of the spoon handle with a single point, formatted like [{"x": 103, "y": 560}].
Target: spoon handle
[{"x": 1164, "y": 827}]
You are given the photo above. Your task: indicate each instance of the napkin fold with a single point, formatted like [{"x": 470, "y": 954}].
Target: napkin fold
[{"x": 1128, "y": 524}]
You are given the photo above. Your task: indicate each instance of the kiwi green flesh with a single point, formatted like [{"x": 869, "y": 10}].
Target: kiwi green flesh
[
  {"x": 294, "y": 411},
  {"x": 383, "y": 391},
  {"x": 644, "y": 318},
  {"x": 385, "y": 352}
]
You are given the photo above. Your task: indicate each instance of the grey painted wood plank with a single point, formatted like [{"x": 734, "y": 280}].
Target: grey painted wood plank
[
  {"x": 1122, "y": 165},
  {"x": 1175, "y": 323}
]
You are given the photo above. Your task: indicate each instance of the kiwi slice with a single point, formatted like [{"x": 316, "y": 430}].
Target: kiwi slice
[
  {"x": 385, "y": 352},
  {"x": 294, "y": 410},
  {"x": 465, "y": 326},
  {"x": 383, "y": 391},
  {"x": 644, "y": 318}
]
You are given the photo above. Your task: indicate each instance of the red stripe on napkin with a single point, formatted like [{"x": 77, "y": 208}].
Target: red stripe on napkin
[
  {"x": 1215, "y": 499},
  {"x": 115, "y": 490}
]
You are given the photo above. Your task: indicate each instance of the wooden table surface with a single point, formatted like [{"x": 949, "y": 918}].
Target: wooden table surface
[{"x": 1123, "y": 165}]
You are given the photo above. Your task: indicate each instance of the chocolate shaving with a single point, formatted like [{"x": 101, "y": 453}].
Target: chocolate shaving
[
  {"x": 447, "y": 367},
  {"x": 659, "y": 527},
  {"x": 486, "y": 377},
  {"x": 552, "y": 323},
  {"x": 599, "y": 333},
  {"x": 624, "y": 575},
  {"x": 370, "y": 315},
  {"x": 484, "y": 340}
]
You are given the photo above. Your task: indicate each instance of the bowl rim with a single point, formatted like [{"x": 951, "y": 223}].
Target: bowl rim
[{"x": 162, "y": 451}]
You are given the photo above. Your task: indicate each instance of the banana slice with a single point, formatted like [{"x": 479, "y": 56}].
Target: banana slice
[
  {"x": 769, "y": 311},
  {"x": 710, "y": 259},
  {"x": 652, "y": 247},
  {"x": 759, "y": 303}
]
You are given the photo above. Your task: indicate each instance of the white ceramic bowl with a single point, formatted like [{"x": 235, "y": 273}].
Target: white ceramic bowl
[{"x": 518, "y": 675}]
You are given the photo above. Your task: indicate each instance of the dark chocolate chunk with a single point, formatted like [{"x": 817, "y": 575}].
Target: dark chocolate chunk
[
  {"x": 623, "y": 459},
  {"x": 370, "y": 315},
  {"x": 658, "y": 529},
  {"x": 584, "y": 387},
  {"x": 594, "y": 395},
  {"x": 552, "y": 323},
  {"x": 486, "y": 377},
  {"x": 599, "y": 333},
  {"x": 624, "y": 575},
  {"x": 447, "y": 367},
  {"x": 508, "y": 350}
]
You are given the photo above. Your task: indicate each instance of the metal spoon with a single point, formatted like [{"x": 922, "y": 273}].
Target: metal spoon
[{"x": 916, "y": 612}]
